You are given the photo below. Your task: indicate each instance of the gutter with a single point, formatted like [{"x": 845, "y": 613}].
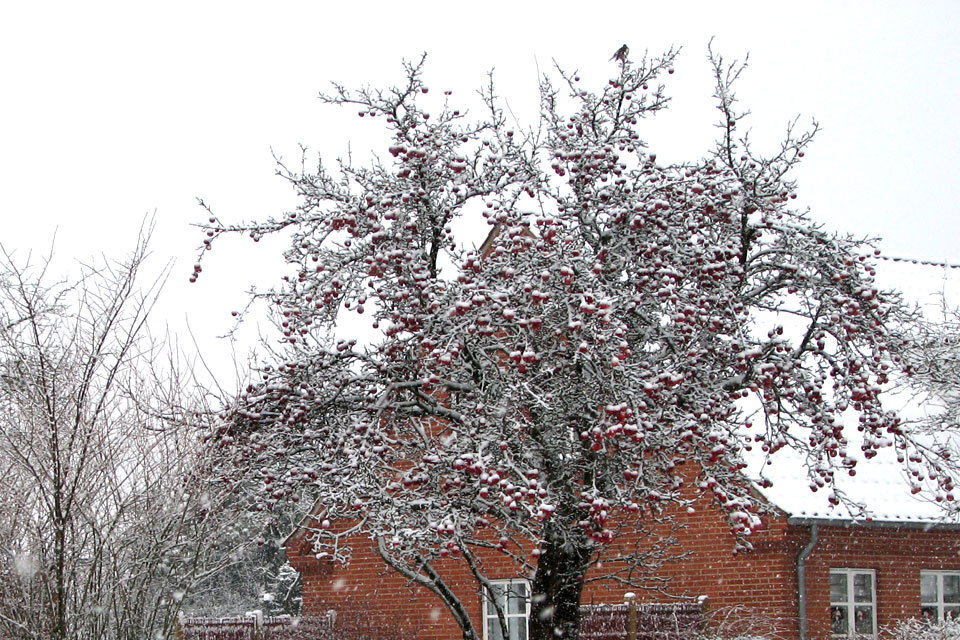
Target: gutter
[
  {"x": 874, "y": 524},
  {"x": 802, "y": 580}
]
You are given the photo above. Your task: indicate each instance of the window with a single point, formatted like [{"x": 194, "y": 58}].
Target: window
[
  {"x": 940, "y": 595},
  {"x": 853, "y": 599},
  {"x": 513, "y": 597}
]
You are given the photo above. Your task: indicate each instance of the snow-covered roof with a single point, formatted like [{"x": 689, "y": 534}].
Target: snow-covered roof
[
  {"x": 880, "y": 485},
  {"x": 881, "y": 489}
]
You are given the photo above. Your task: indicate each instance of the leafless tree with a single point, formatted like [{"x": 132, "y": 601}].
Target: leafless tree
[{"x": 103, "y": 506}]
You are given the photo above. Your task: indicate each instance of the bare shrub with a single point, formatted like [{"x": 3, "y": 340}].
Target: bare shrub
[
  {"x": 741, "y": 623},
  {"x": 915, "y": 629}
]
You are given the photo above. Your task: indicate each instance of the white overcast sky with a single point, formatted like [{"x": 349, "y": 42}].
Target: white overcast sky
[{"x": 110, "y": 112}]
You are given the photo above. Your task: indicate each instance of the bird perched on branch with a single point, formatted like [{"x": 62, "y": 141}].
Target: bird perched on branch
[{"x": 621, "y": 54}]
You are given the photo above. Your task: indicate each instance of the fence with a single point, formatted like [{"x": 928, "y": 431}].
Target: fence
[
  {"x": 252, "y": 627},
  {"x": 630, "y": 621}
]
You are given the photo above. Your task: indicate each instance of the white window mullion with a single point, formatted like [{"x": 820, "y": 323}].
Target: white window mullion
[
  {"x": 940, "y": 595},
  {"x": 853, "y": 603},
  {"x": 513, "y": 597}
]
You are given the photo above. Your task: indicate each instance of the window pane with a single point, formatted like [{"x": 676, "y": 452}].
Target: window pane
[
  {"x": 838, "y": 619},
  {"x": 513, "y": 598},
  {"x": 929, "y": 614},
  {"x": 862, "y": 587},
  {"x": 493, "y": 629},
  {"x": 951, "y": 587},
  {"x": 863, "y": 619},
  {"x": 951, "y": 613},
  {"x": 928, "y": 587},
  {"x": 518, "y": 629},
  {"x": 518, "y": 599},
  {"x": 838, "y": 587}
]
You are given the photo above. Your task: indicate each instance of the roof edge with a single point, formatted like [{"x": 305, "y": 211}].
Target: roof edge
[{"x": 874, "y": 524}]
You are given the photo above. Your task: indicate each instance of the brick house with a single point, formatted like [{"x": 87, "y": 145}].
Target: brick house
[{"x": 814, "y": 573}]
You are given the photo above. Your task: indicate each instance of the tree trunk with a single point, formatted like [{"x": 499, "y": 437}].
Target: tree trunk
[
  {"x": 60, "y": 595},
  {"x": 558, "y": 584}
]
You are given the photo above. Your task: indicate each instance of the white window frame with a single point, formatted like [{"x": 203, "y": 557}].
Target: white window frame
[
  {"x": 850, "y": 603},
  {"x": 490, "y": 613},
  {"x": 939, "y": 604}
]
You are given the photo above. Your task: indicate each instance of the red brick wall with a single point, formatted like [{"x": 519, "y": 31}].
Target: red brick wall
[
  {"x": 896, "y": 555},
  {"x": 384, "y": 599},
  {"x": 747, "y": 590},
  {"x": 761, "y": 583},
  {"x": 752, "y": 587}
]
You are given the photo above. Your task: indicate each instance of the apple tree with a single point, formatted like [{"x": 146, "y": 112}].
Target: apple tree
[
  {"x": 627, "y": 331},
  {"x": 932, "y": 367}
]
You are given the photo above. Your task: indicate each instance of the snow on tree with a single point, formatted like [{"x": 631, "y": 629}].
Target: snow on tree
[
  {"x": 104, "y": 514},
  {"x": 586, "y": 368},
  {"x": 255, "y": 573},
  {"x": 932, "y": 368}
]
